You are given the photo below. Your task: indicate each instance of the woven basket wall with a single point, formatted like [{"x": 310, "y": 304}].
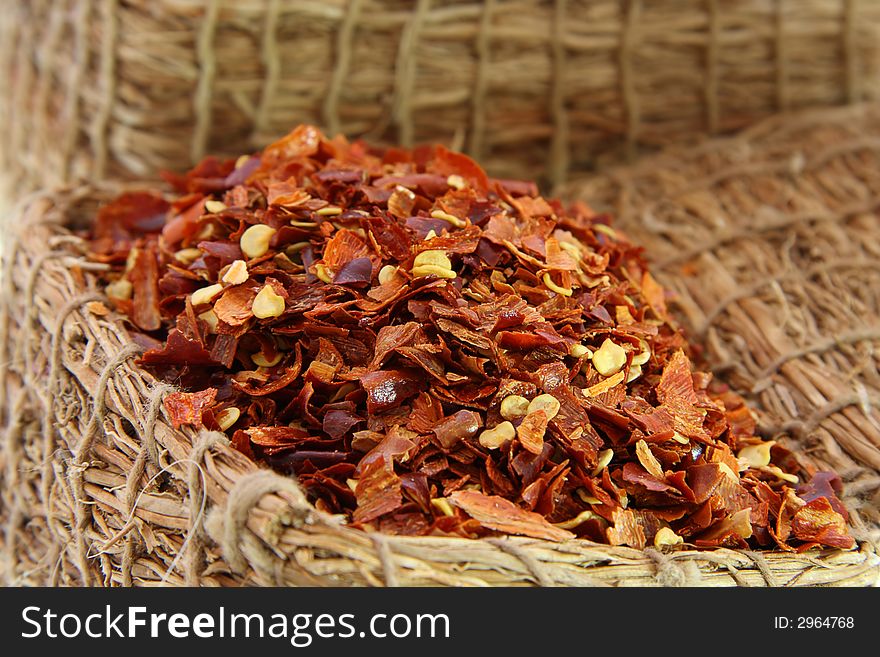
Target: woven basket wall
[
  {"x": 98, "y": 489},
  {"x": 771, "y": 241},
  {"x": 532, "y": 88}
]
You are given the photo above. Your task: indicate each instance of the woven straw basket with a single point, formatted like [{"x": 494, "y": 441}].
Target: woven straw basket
[
  {"x": 98, "y": 489},
  {"x": 531, "y": 88}
]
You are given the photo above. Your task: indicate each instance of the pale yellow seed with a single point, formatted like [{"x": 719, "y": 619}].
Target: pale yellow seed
[
  {"x": 779, "y": 473},
  {"x": 215, "y": 206},
  {"x": 514, "y": 406},
  {"x": 587, "y": 498},
  {"x": 609, "y": 358},
  {"x": 572, "y": 249},
  {"x": 241, "y": 161},
  {"x": 255, "y": 240},
  {"x": 564, "y": 291},
  {"x": 644, "y": 354},
  {"x": 443, "y": 506},
  {"x": 730, "y": 474},
  {"x": 187, "y": 256},
  {"x": 131, "y": 259},
  {"x": 352, "y": 484},
  {"x": 400, "y": 189},
  {"x": 237, "y": 273},
  {"x": 635, "y": 371},
  {"x": 666, "y": 536},
  {"x": 260, "y": 359},
  {"x": 206, "y": 294},
  {"x": 387, "y": 273},
  {"x": 295, "y": 248},
  {"x": 283, "y": 261},
  {"x": 323, "y": 273},
  {"x": 547, "y": 403},
  {"x": 682, "y": 440},
  {"x": 431, "y": 235},
  {"x": 605, "y": 230},
  {"x": 303, "y": 224},
  {"x": 449, "y": 218},
  {"x": 498, "y": 435},
  {"x": 267, "y": 303},
  {"x": 456, "y": 182},
  {"x": 755, "y": 456},
  {"x": 210, "y": 318},
  {"x": 433, "y": 257},
  {"x": 329, "y": 211},
  {"x": 579, "y": 519},
  {"x": 578, "y": 351},
  {"x": 604, "y": 385},
  {"x": 121, "y": 289},
  {"x": 428, "y": 270},
  {"x": 207, "y": 232},
  {"x": 623, "y": 315},
  {"x": 227, "y": 417},
  {"x": 604, "y": 459}
]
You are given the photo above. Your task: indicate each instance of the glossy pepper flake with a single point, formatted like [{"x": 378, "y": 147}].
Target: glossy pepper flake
[{"x": 433, "y": 351}]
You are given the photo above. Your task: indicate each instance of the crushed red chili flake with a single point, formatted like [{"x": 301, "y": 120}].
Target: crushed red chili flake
[{"x": 433, "y": 351}]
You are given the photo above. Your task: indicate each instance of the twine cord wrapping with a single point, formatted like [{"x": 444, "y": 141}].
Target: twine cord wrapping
[
  {"x": 48, "y": 416},
  {"x": 25, "y": 79},
  {"x": 204, "y": 94},
  {"x": 631, "y": 103},
  {"x": 849, "y": 35},
  {"x": 713, "y": 46},
  {"x": 533, "y": 566},
  {"x": 12, "y": 489},
  {"x": 107, "y": 75},
  {"x": 133, "y": 496},
  {"x": 270, "y": 54},
  {"x": 670, "y": 572},
  {"x": 157, "y": 395},
  {"x": 47, "y": 69},
  {"x": 386, "y": 558},
  {"x": 782, "y": 59},
  {"x": 483, "y": 49},
  {"x": 339, "y": 75},
  {"x": 197, "y": 481},
  {"x": 79, "y": 464},
  {"x": 23, "y": 352},
  {"x": 245, "y": 495},
  {"x": 81, "y": 17},
  {"x": 405, "y": 73},
  {"x": 559, "y": 158}
]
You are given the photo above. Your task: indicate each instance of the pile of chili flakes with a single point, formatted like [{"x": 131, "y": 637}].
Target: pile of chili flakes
[{"x": 434, "y": 352}]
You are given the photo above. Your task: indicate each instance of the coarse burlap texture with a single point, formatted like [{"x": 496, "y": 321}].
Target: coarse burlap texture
[
  {"x": 771, "y": 243},
  {"x": 534, "y": 89},
  {"x": 97, "y": 488}
]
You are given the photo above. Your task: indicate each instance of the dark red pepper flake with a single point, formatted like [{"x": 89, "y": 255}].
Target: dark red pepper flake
[{"x": 399, "y": 304}]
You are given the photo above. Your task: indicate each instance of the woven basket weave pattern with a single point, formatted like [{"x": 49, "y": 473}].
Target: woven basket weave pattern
[
  {"x": 98, "y": 489},
  {"x": 532, "y": 88}
]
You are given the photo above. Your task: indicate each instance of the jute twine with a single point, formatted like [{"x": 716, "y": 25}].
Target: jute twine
[
  {"x": 98, "y": 489},
  {"x": 771, "y": 243},
  {"x": 534, "y": 89}
]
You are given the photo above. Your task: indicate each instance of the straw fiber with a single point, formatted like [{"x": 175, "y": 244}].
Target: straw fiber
[{"x": 535, "y": 89}]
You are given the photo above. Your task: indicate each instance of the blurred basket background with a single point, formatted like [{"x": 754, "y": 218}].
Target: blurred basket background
[
  {"x": 534, "y": 89},
  {"x": 769, "y": 238}
]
